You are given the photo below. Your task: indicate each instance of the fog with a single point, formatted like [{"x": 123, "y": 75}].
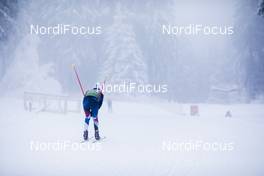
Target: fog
[
  {"x": 126, "y": 42},
  {"x": 177, "y": 87}
]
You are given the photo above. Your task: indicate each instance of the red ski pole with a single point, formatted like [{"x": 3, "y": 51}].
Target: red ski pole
[{"x": 78, "y": 79}]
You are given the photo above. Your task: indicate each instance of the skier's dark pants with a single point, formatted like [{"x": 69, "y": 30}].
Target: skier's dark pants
[{"x": 91, "y": 107}]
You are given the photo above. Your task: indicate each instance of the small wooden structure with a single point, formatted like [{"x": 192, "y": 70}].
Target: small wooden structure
[{"x": 51, "y": 103}]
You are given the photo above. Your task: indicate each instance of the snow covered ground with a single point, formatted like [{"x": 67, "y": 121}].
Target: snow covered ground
[{"x": 143, "y": 138}]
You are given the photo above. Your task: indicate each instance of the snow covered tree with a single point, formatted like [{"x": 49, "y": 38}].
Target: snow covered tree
[
  {"x": 261, "y": 8},
  {"x": 8, "y": 14},
  {"x": 124, "y": 59},
  {"x": 26, "y": 73},
  {"x": 249, "y": 42},
  {"x": 64, "y": 50},
  {"x": 157, "y": 46}
]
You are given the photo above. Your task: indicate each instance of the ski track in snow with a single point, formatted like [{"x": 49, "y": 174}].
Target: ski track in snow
[{"x": 135, "y": 133}]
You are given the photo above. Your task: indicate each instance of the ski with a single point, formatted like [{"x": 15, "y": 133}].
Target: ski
[
  {"x": 101, "y": 139},
  {"x": 89, "y": 139},
  {"x": 93, "y": 140}
]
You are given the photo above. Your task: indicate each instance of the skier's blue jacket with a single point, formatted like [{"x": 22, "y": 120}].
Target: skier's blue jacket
[{"x": 93, "y": 101}]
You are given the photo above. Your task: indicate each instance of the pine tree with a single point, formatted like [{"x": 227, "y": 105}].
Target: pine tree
[
  {"x": 8, "y": 15},
  {"x": 261, "y": 8},
  {"x": 26, "y": 73},
  {"x": 124, "y": 59},
  {"x": 249, "y": 42}
]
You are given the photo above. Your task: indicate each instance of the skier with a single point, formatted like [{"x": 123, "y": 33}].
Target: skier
[{"x": 92, "y": 101}]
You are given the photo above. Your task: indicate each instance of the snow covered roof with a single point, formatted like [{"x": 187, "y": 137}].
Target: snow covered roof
[{"x": 225, "y": 88}]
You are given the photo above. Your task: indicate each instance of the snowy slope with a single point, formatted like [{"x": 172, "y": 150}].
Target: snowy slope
[{"x": 136, "y": 132}]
